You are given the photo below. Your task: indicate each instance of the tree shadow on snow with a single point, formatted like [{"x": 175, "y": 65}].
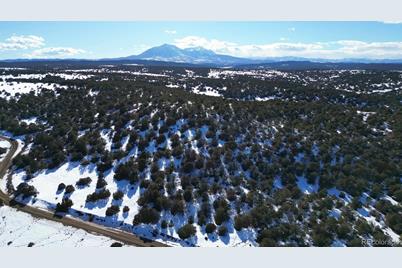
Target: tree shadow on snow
[
  {"x": 88, "y": 168},
  {"x": 72, "y": 165},
  {"x": 98, "y": 204}
]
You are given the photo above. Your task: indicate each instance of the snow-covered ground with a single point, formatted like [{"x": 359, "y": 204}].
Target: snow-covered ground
[
  {"x": 143, "y": 72},
  {"x": 4, "y": 145},
  {"x": 65, "y": 76},
  {"x": 47, "y": 182},
  {"x": 32, "y": 120},
  {"x": 19, "y": 229},
  {"x": 220, "y": 73},
  {"x": 265, "y": 98},
  {"x": 10, "y": 89},
  {"x": 209, "y": 91},
  {"x": 365, "y": 214},
  {"x": 305, "y": 187}
]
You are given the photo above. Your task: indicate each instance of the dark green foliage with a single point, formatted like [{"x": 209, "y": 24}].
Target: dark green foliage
[
  {"x": 112, "y": 210},
  {"x": 99, "y": 195},
  {"x": 186, "y": 231},
  {"x": 127, "y": 171},
  {"x": 25, "y": 190},
  {"x": 64, "y": 205},
  {"x": 61, "y": 187},
  {"x": 188, "y": 195},
  {"x": 221, "y": 215},
  {"x": 84, "y": 181},
  {"x": 101, "y": 183},
  {"x": 147, "y": 216},
  {"x": 69, "y": 189},
  {"x": 210, "y": 228},
  {"x": 222, "y": 230},
  {"x": 118, "y": 195},
  {"x": 242, "y": 221}
]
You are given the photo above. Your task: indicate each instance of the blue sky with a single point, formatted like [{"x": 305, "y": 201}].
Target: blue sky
[{"x": 245, "y": 39}]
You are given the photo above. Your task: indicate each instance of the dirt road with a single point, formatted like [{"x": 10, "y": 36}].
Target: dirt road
[{"x": 122, "y": 236}]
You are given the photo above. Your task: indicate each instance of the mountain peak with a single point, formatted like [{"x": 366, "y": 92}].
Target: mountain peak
[
  {"x": 167, "y": 46},
  {"x": 195, "y": 55}
]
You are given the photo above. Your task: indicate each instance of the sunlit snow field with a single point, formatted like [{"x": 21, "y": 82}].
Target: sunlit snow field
[{"x": 19, "y": 229}]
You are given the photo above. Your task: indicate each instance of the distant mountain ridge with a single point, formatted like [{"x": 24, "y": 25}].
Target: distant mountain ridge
[
  {"x": 194, "y": 55},
  {"x": 200, "y": 55}
]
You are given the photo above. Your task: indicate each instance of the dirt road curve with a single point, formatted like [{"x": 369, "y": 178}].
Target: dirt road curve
[{"x": 124, "y": 237}]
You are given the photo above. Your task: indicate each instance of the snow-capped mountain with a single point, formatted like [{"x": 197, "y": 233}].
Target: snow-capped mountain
[
  {"x": 195, "y": 55},
  {"x": 200, "y": 55}
]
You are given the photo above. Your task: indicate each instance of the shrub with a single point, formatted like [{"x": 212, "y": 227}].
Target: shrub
[
  {"x": 112, "y": 210},
  {"x": 147, "y": 216},
  {"x": 103, "y": 166},
  {"x": 222, "y": 231},
  {"x": 177, "y": 207},
  {"x": 122, "y": 172},
  {"x": 84, "y": 181},
  {"x": 202, "y": 219},
  {"x": 267, "y": 242},
  {"x": 69, "y": 189},
  {"x": 103, "y": 194},
  {"x": 126, "y": 209},
  {"x": 394, "y": 221},
  {"x": 188, "y": 167},
  {"x": 186, "y": 231},
  {"x": 321, "y": 240},
  {"x": 101, "y": 183},
  {"x": 64, "y": 205},
  {"x": 61, "y": 187},
  {"x": 242, "y": 221},
  {"x": 221, "y": 215},
  {"x": 116, "y": 244},
  {"x": 188, "y": 195},
  {"x": 144, "y": 184},
  {"x": 26, "y": 190},
  {"x": 118, "y": 195},
  {"x": 210, "y": 228}
]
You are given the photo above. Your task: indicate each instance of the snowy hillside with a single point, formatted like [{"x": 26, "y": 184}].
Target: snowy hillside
[{"x": 18, "y": 229}]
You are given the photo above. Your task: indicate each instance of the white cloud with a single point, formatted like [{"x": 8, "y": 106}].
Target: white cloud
[
  {"x": 55, "y": 52},
  {"x": 170, "y": 32},
  {"x": 393, "y": 22},
  {"x": 329, "y": 50},
  {"x": 212, "y": 44},
  {"x": 16, "y": 42},
  {"x": 36, "y": 47}
]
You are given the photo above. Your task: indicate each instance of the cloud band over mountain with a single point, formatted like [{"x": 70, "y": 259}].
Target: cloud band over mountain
[{"x": 326, "y": 50}]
